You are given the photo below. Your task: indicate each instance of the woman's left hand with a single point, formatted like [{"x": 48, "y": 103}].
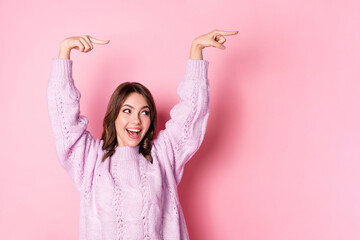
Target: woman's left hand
[{"x": 214, "y": 39}]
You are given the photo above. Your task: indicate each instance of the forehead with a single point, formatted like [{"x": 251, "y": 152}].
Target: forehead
[{"x": 135, "y": 99}]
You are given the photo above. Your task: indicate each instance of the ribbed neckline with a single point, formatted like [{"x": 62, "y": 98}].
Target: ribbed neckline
[{"x": 126, "y": 152}]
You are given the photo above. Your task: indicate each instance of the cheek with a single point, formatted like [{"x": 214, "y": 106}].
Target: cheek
[
  {"x": 146, "y": 122},
  {"x": 120, "y": 123}
]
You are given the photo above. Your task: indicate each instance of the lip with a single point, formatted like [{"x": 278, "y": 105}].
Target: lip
[{"x": 134, "y": 137}]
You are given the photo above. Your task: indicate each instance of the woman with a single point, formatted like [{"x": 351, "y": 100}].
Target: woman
[{"x": 127, "y": 182}]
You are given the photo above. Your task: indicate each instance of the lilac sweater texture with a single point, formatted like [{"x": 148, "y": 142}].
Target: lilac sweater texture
[{"x": 126, "y": 196}]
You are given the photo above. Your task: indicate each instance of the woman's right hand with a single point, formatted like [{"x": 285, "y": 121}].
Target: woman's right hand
[{"x": 81, "y": 43}]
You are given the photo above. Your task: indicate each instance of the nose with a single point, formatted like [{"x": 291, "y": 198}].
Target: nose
[{"x": 136, "y": 119}]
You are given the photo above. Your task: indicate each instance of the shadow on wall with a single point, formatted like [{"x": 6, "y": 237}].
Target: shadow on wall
[{"x": 224, "y": 121}]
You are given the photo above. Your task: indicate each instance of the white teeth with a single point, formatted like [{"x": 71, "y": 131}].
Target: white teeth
[{"x": 133, "y": 130}]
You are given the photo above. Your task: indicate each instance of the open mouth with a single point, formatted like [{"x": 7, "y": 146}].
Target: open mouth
[{"x": 133, "y": 133}]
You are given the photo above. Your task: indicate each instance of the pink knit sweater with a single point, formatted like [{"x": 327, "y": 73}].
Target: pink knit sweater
[{"x": 127, "y": 197}]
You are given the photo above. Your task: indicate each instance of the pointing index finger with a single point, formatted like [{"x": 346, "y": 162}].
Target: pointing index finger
[
  {"x": 225, "y": 33},
  {"x": 98, "y": 41}
]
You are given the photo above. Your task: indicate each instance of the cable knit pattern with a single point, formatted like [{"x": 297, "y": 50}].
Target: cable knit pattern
[{"x": 127, "y": 197}]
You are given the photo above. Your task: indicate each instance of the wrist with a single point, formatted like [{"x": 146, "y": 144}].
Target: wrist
[
  {"x": 196, "y": 45},
  {"x": 64, "y": 52},
  {"x": 196, "y": 52}
]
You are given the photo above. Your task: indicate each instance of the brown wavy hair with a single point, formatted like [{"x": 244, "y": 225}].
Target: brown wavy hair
[{"x": 116, "y": 101}]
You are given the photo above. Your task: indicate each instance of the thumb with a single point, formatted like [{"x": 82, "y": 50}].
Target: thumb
[
  {"x": 98, "y": 41},
  {"x": 218, "y": 45}
]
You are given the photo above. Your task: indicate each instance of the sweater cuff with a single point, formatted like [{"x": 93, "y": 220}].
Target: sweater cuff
[
  {"x": 196, "y": 69},
  {"x": 61, "y": 68}
]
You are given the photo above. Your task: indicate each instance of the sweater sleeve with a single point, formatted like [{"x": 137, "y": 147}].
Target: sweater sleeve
[
  {"x": 185, "y": 130},
  {"x": 73, "y": 142}
]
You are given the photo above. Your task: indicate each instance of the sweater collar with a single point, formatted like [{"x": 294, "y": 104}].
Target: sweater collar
[{"x": 127, "y": 152}]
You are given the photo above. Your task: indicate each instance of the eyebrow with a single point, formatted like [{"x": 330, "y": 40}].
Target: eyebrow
[{"x": 146, "y": 106}]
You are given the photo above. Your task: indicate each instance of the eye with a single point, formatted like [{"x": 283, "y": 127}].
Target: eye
[
  {"x": 146, "y": 112},
  {"x": 126, "y": 110}
]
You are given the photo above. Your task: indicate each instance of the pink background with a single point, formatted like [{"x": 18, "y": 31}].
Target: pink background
[{"x": 281, "y": 157}]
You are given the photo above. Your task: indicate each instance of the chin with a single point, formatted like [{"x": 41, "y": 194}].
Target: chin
[{"x": 133, "y": 144}]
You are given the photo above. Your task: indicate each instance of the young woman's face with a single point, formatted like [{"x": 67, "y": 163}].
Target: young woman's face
[{"x": 133, "y": 120}]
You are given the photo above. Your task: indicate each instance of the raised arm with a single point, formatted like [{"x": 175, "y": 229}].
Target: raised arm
[
  {"x": 73, "y": 142},
  {"x": 185, "y": 131}
]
